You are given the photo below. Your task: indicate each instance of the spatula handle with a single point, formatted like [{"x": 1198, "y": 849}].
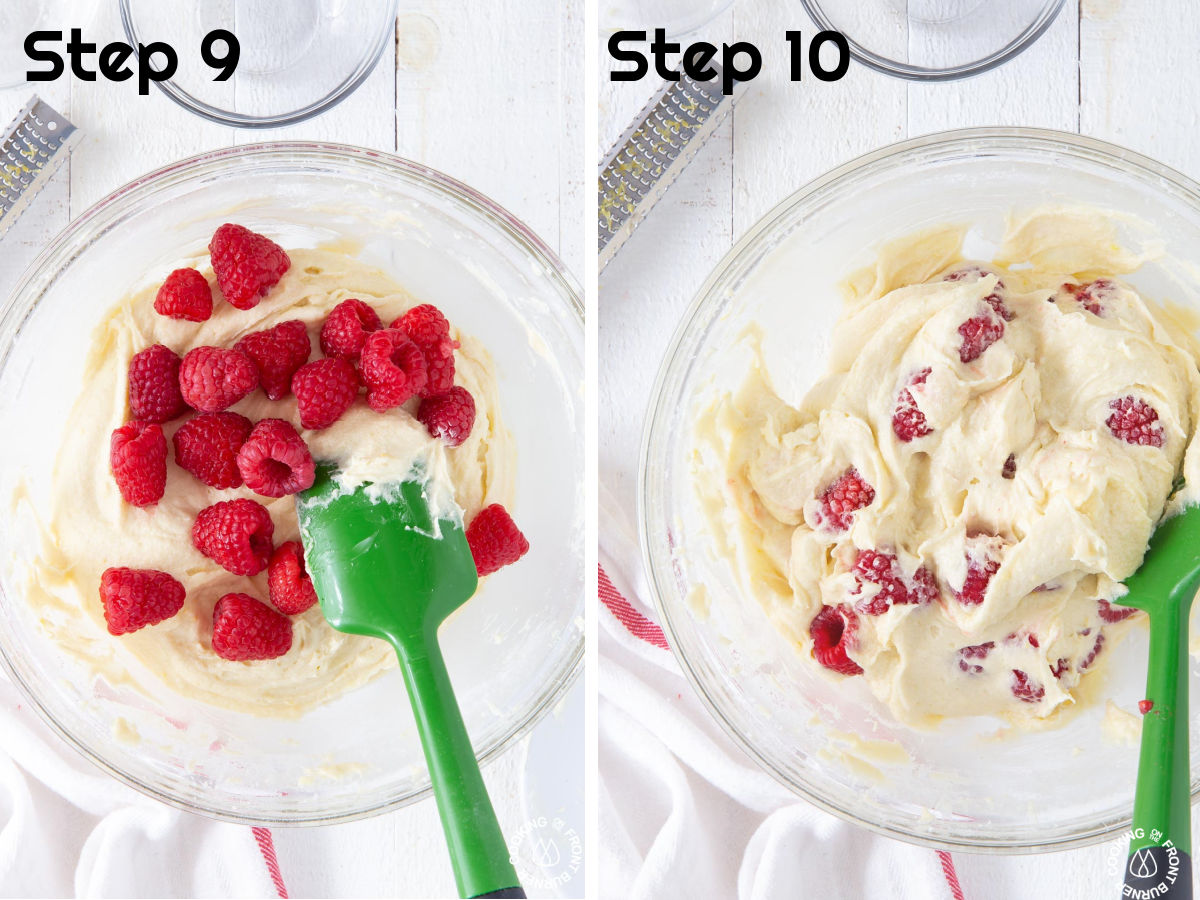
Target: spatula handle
[
  {"x": 478, "y": 852},
  {"x": 1159, "y": 863}
]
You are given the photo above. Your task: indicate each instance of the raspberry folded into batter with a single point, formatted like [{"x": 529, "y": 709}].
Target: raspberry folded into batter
[{"x": 954, "y": 505}]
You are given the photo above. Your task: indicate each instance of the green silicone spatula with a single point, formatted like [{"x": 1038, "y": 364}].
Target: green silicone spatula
[
  {"x": 386, "y": 566},
  {"x": 1159, "y": 862}
]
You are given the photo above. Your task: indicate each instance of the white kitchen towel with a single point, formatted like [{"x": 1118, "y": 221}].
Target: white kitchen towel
[{"x": 684, "y": 813}]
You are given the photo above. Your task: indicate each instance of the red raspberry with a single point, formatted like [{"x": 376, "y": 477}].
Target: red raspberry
[
  {"x": 832, "y": 631},
  {"x": 206, "y": 445},
  {"x": 1087, "y": 661},
  {"x": 346, "y": 329},
  {"x": 978, "y": 333},
  {"x": 1009, "y": 470},
  {"x": 1026, "y": 689},
  {"x": 977, "y": 651},
  {"x": 971, "y": 271},
  {"x": 212, "y": 379},
  {"x": 1111, "y": 614},
  {"x": 844, "y": 497},
  {"x": 424, "y": 324},
  {"x": 981, "y": 566},
  {"x": 1093, "y": 296},
  {"x": 275, "y": 461},
  {"x": 908, "y": 422},
  {"x": 184, "y": 295},
  {"x": 324, "y": 389},
  {"x": 247, "y": 265},
  {"x": 138, "y": 456},
  {"x": 135, "y": 598},
  {"x": 430, "y": 331},
  {"x": 291, "y": 586},
  {"x": 245, "y": 628},
  {"x": 277, "y": 352},
  {"x": 1060, "y": 668},
  {"x": 1132, "y": 421},
  {"x": 235, "y": 534},
  {"x": 450, "y": 416},
  {"x": 393, "y": 368},
  {"x": 495, "y": 539},
  {"x": 882, "y": 569},
  {"x": 154, "y": 385},
  {"x": 1144, "y": 706}
]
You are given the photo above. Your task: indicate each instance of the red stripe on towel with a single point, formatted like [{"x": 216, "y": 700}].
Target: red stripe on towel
[
  {"x": 948, "y": 870},
  {"x": 637, "y": 624},
  {"x": 266, "y": 846}
]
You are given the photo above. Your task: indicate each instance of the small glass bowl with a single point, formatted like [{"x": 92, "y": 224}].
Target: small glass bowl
[
  {"x": 934, "y": 40},
  {"x": 296, "y": 62},
  {"x": 959, "y": 786},
  {"x": 512, "y": 651}
]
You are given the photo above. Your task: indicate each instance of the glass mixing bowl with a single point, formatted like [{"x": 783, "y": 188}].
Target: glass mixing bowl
[
  {"x": 512, "y": 651},
  {"x": 934, "y": 40},
  {"x": 960, "y": 786},
  {"x": 296, "y": 60}
]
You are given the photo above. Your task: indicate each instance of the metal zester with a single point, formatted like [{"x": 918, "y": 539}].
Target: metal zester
[
  {"x": 649, "y": 156},
  {"x": 35, "y": 144}
]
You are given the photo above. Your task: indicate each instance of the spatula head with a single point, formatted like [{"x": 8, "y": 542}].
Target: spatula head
[
  {"x": 383, "y": 563},
  {"x": 1172, "y": 563}
]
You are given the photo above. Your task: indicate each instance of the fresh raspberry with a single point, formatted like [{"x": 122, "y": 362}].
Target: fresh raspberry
[
  {"x": 1087, "y": 661},
  {"x": 206, "y": 445},
  {"x": 324, "y": 389},
  {"x": 832, "y": 631},
  {"x": 138, "y": 456},
  {"x": 841, "y": 499},
  {"x": 981, "y": 566},
  {"x": 430, "y": 331},
  {"x": 998, "y": 307},
  {"x": 1026, "y": 689},
  {"x": 291, "y": 586},
  {"x": 275, "y": 461},
  {"x": 425, "y": 325},
  {"x": 346, "y": 329},
  {"x": 977, "y": 651},
  {"x": 1111, "y": 614},
  {"x": 450, "y": 416},
  {"x": 135, "y": 598},
  {"x": 495, "y": 539},
  {"x": 1009, "y": 469},
  {"x": 154, "y": 385},
  {"x": 184, "y": 295},
  {"x": 212, "y": 379},
  {"x": 978, "y": 333},
  {"x": 1095, "y": 297},
  {"x": 277, "y": 352},
  {"x": 247, "y": 265},
  {"x": 1060, "y": 668},
  {"x": 1144, "y": 706},
  {"x": 971, "y": 271},
  {"x": 235, "y": 534},
  {"x": 393, "y": 368},
  {"x": 908, "y": 422},
  {"x": 1132, "y": 420},
  {"x": 245, "y": 628},
  {"x": 882, "y": 569}
]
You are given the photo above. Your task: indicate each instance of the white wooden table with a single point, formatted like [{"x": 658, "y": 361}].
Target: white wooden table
[
  {"x": 1119, "y": 71},
  {"x": 513, "y": 130}
]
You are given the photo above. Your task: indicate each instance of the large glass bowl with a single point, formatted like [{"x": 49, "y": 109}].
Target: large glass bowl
[
  {"x": 512, "y": 650},
  {"x": 960, "y": 786}
]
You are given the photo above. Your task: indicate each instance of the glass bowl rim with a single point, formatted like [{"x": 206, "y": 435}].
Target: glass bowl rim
[
  {"x": 898, "y": 69},
  {"x": 64, "y": 248},
  {"x": 656, "y": 556},
  {"x": 233, "y": 119}
]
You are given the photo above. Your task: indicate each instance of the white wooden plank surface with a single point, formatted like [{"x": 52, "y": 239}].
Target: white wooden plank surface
[
  {"x": 1112, "y": 69},
  {"x": 490, "y": 94}
]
